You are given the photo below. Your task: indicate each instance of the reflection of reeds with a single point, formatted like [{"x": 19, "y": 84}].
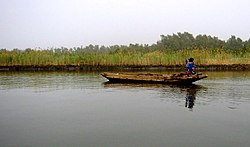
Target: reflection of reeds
[{"x": 121, "y": 58}]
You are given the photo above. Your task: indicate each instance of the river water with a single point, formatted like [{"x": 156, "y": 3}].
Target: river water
[{"x": 80, "y": 109}]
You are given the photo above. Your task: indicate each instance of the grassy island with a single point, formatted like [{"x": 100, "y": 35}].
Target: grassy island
[{"x": 169, "y": 51}]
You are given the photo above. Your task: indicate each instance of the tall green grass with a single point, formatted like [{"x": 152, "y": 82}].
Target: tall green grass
[{"x": 123, "y": 58}]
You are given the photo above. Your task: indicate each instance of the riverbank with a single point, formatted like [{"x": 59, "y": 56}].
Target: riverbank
[{"x": 232, "y": 67}]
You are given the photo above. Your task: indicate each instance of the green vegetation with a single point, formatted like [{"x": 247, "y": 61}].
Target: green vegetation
[{"x": 170, "y": 50}]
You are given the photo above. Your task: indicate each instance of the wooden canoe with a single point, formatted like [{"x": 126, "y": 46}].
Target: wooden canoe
[{"x": 153, "y": 78}]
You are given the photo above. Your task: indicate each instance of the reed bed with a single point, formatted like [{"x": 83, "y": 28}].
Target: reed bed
[{"x": 123, "y": 58}]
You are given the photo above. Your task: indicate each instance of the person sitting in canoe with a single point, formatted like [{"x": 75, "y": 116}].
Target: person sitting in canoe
[{"x": 190, "y": 66}]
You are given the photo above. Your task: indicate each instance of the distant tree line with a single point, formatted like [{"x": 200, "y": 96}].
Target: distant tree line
[
  {"x": 169, "y": 50},
  {"x": 186, "y": 40},
  {"x": 174, "y": 42}
]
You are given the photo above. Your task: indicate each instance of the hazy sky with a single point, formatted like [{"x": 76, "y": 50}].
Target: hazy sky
[{"x": 72, "y": 23}]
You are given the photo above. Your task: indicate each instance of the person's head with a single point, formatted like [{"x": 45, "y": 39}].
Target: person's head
[{"x": 191, "y": 59}]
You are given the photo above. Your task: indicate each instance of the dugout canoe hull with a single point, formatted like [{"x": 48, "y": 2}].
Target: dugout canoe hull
[{"x": 153, "y": 78}]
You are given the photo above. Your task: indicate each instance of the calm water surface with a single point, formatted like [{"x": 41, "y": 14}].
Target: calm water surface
[{"x": 80, "y": 109}]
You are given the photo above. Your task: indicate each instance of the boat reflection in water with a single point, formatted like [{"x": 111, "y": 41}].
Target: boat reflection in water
[{"x": 168, "y": 92}]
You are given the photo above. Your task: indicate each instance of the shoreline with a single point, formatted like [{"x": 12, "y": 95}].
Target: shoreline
[{"x": 232, "y": 67}]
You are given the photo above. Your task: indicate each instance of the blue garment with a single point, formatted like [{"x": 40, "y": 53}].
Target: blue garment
[{"x": 190, "y": 66}]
